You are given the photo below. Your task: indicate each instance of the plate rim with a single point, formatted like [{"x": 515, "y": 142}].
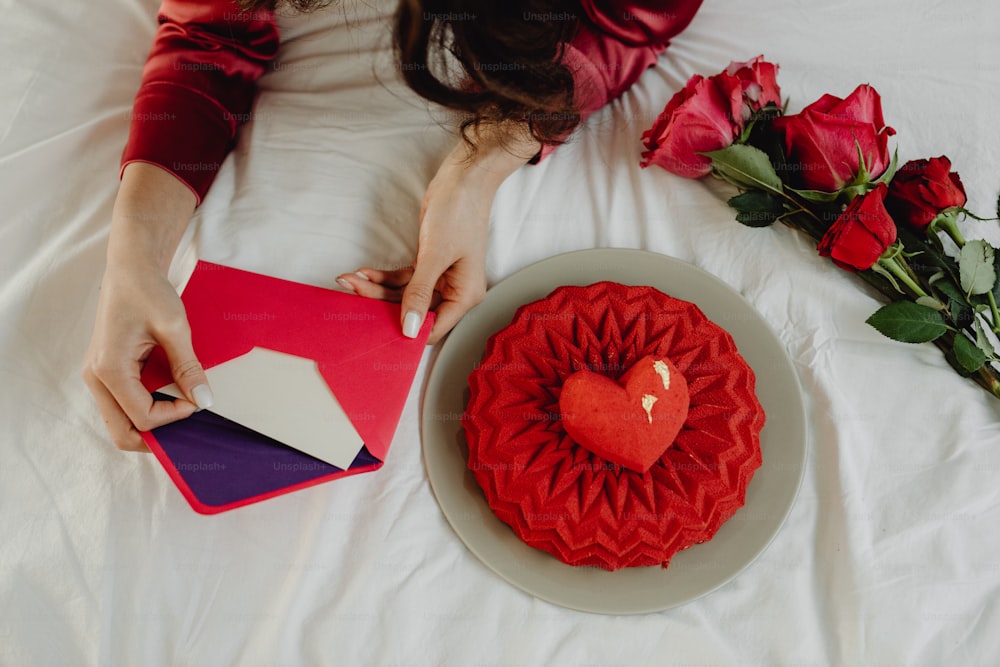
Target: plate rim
[{"x": 792, "y": 418}]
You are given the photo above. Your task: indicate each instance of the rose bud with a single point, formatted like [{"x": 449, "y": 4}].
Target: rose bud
[
  {"x": 923, "y": 188},
  {"x": 861, "y": 233},
  {"x": 758, "y": 82},
  {"x": 699, "y": 118},
  {"x": 822, "y": 141}
]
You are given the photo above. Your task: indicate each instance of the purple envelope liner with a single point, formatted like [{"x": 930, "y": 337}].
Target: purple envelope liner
[{"x": 223, "y": 462}]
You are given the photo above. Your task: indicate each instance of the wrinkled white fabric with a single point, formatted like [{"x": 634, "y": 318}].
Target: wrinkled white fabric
[{"x": 890, "y": 554}]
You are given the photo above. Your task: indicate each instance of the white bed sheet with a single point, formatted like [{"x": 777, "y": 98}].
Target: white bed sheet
[{"x": 889, "y": 556}]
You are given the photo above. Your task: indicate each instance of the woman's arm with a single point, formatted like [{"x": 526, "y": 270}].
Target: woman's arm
[
  {"x": 617, "y": 41},
  {"x": 138, "y": 309},
  {"x": 198, "y": 86}
]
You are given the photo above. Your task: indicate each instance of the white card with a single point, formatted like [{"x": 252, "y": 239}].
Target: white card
[{"x": 283, "y": 397}]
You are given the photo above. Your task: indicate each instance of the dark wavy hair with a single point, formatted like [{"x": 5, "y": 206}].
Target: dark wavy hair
[{"x": 495, "y": 61}]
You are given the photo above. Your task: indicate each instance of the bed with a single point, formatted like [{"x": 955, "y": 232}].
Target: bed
[{"x": 889, "y": 554}]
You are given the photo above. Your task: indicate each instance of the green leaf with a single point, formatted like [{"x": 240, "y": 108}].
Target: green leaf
[
  {"x": 958, "y": 306},
  {"x": 960, "y": 313},
  {"x": 758, "y": 128},
  {"x": 982, "y": 340},
  {"x": 746, "y": 167},
  {"x": 968, "y": 353},
  {"x": 949, "y": 289},
  {"x": 756, "y": 218},
  {"x": 975, "y": 265},
  {"x": 816, "y": 195},
  {"x": 908, "y": 322},
  {"x": 756, "y": 200},
  {"x": 930, "y": 302},
  {"x": 756, "y": 208}
]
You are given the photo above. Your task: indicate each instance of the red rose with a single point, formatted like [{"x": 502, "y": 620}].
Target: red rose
[
  {"x": 923, "y": 188},
  {"x": 861, "y": 234},
  {"x": 699, "y": 118},
  {"x": 707, "y": 115},
  {"x": 758, "y": 84},
  {"x": 822, "y": 141}
]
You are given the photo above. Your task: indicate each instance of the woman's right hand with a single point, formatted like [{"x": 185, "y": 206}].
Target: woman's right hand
[{"x": 139, "y": 309}]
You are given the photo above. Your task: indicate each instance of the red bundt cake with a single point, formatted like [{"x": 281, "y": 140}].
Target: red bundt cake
[{"x": 611, "y": 495}]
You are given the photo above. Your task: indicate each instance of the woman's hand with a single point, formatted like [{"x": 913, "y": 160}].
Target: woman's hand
[
  {"x": 138, "y": 309},
  {"x": 449, "y": 273}
]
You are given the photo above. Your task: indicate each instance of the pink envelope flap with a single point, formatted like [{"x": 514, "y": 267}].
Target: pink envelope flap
[{"x": 357, "y": 343}]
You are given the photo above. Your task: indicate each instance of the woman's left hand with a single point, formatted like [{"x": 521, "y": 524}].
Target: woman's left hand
[{"x": 449, "y": 273}]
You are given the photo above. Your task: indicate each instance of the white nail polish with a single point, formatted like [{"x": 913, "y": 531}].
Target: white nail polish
[
  {"x": 411, "y": 324},
  {"x": 202, "y": 396},
  {"x": 346, "y": 285},
  {"x": 361, "y": 275}
]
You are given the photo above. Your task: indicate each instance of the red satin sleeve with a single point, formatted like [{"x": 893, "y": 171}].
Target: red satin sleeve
[
  {"x": 198, "y": 86},
  {"x": 616, "y": 42}
]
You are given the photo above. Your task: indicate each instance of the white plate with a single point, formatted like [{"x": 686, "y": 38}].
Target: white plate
[{"x": 693, "y": 572}]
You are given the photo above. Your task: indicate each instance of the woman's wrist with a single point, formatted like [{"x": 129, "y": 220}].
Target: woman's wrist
[
  {"x": 152, "y": 210},
  {"x": 497, "y": 151}
]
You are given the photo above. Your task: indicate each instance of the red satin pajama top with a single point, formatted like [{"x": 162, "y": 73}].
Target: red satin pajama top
[{"x": 207, "y": 56}]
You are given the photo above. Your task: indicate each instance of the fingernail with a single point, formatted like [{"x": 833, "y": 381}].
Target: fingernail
[
  {"x": 202, "y": 396},
  {"x": 346, "y": 285},
  {"x": 411, "y": 324},
  {"x": 361, "y": 275}
]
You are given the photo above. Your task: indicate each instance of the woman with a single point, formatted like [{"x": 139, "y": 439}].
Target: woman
[{"x": 526, "y": 73}]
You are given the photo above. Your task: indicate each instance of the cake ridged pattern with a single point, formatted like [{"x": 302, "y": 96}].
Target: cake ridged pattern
[{"x": 582, "y": 509}]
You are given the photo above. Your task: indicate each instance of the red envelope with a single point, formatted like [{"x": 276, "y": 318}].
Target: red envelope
[{"x": 363, "y": 367}]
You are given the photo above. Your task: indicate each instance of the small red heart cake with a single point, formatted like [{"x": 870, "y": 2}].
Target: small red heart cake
[
  {"x": 630, "y": 422},
  {"x": 613, "y": 426}
]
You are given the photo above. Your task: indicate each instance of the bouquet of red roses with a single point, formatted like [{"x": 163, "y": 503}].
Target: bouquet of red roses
[{"x": 827, "y": 172}]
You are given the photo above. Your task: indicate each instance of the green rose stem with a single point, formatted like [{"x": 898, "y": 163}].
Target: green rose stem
[
  {"x": 986, "y": 377},
  {"x": 803, "y": 220},
  {"x": 946, "y": 221},
  {"x": 890, "y": 261},
  {"x": 748, "y": 167},
  {"x": 993, "y": 309},
  {"x": 808, "y": 222}
]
